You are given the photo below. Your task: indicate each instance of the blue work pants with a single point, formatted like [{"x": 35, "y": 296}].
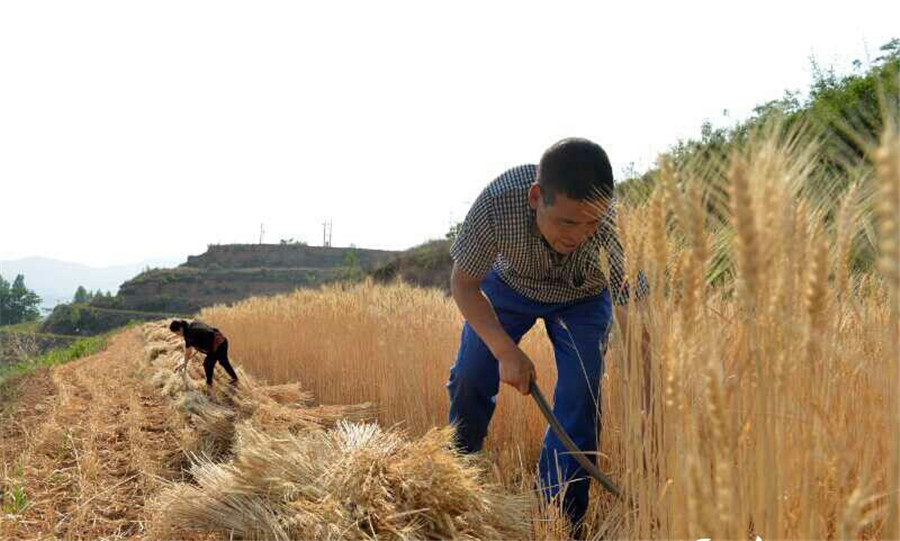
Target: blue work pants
[{"x": 578, "y": 331}]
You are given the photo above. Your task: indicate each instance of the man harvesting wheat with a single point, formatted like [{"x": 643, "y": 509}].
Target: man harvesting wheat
[
  {"x": 200, "y": 336},
  {"x": 529, "y": 248}
]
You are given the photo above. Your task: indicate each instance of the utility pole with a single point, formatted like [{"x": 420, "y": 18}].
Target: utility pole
[
  {"x": 262, "y": 231},
  {"x": 326, "y": 233}
]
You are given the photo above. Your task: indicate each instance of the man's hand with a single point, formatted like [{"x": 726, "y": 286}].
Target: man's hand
[
  {"x": 516, "y": 369},
  {"x": 188, "y": 353}
]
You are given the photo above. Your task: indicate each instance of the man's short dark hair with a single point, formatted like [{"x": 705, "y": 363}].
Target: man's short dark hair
[
  {"x": 177, "y": 324},
  {"x": 577, "y": 168}
]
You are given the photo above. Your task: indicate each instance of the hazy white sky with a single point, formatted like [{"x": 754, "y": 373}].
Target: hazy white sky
[{"x": 131, "y": 130}]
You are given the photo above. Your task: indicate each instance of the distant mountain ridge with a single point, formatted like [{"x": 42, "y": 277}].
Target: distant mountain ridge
[
  {"x": 56, "y": 281},
  {"x": 226, "y": 273},
  {"x": 222, "y": 274}
]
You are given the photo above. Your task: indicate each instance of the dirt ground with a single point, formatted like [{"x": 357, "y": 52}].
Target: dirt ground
[{"x": 84, "y": 446}]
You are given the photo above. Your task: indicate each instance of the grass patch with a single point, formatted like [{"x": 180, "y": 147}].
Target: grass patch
[
  {"x": 15, "y": 500},
  {"x": 29, "y": 327},
  {"x": 16, "y": 330},
  {"x": 78, "y": 349}
]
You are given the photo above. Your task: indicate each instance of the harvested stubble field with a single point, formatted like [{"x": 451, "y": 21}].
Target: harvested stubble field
[
  {"x": 772, "y": 407},
  {"x": 127, "y": 447}
]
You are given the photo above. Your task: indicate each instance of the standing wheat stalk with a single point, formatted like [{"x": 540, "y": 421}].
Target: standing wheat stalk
[
  {"x": 746, "y": 249},
  {"x": 887, "y": 162}
]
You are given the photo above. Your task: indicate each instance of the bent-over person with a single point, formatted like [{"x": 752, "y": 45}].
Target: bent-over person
[{"x": 208, "y": 340}]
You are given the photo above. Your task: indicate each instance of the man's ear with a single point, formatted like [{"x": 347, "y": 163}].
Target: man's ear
[{"x": 534, "y": 195}]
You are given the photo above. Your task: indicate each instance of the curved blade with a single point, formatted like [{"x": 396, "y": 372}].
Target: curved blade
[{"x": 557, "y": 428}]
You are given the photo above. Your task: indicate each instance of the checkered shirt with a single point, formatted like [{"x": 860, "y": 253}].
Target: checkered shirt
[{"x": 500, "y": 232}]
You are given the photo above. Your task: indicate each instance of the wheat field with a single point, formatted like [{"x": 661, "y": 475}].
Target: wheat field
[{"x": 773, "y": 382}]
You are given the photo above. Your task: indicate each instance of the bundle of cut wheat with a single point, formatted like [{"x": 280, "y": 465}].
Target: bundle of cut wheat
[{"x": 353, "y": 482}]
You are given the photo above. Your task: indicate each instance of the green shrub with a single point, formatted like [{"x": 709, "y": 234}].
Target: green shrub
[{"x": 78, "y": 349}]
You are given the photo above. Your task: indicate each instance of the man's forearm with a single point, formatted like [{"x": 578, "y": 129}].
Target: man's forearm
[
  {"x": 480, "y": 315},
  {"x": 188, "y": 354}
]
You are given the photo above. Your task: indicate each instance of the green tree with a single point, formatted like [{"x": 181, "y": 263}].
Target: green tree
[
  {"x": 453, "y": 232},
  {"x": 293, "y": 242},
  {"x": 844, "y": 113},
  {"x": 352, "y": 269},
  {"x": 4, "y": 295},
  {"x": 81, "y": 295},
  {"x": 18, "y": 304}
]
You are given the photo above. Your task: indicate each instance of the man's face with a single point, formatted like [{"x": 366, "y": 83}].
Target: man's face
[
  {"x": 179, "y": 332},
  {"x": 567, "y": 223}
]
